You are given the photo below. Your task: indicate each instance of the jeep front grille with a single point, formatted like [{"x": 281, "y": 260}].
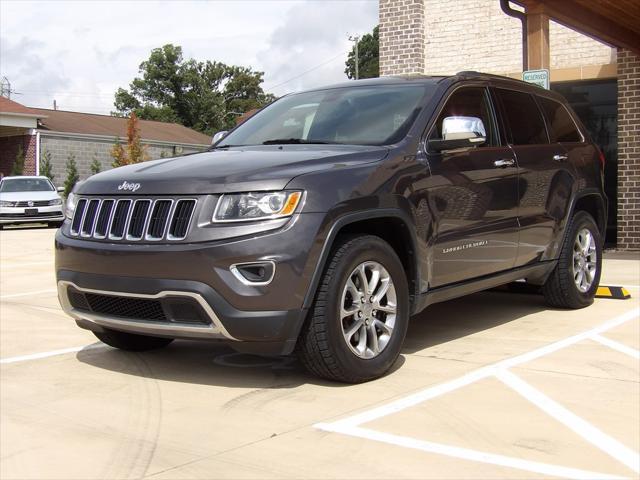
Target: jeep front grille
[{"x": 133, "y": 219}]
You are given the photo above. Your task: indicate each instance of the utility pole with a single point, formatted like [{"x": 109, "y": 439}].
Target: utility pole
[{"x": 356, "y": 38}]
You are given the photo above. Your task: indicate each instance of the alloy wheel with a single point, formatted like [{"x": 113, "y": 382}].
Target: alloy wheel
[
  {"x": 368, "y": 309},
  {"x": 585, "y": 264}
]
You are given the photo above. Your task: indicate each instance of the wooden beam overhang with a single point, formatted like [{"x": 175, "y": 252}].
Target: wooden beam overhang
[{"x": 615, "y": 22}]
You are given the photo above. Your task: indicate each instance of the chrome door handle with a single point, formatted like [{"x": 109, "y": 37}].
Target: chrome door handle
[
  {"x": 560, "y": 158},
  {"x": 504, "y": 162}
]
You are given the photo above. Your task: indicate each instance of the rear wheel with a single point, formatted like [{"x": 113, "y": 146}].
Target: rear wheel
[
  {"x": 360, "y": 315},
  {"x": 574, "y": 281},
  {"x": 130, "y": 341}
]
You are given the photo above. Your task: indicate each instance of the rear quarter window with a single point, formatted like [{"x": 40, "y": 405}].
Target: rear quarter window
[
  {"x": 562, "y": 128},
  {"x": 523, "y": 120}
]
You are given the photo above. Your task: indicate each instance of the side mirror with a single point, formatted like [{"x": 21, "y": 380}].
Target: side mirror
[
  {"x": 459, "y": 132},
  {"x": 218, "y": 136},
  {"x": 60, "y": 189}
]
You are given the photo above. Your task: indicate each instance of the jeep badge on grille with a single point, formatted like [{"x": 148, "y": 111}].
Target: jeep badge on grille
[{"x": 131, "y": 187}]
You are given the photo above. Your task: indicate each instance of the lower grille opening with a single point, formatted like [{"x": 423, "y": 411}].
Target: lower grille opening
[
  {"x": 127, "y": 307},
  {"x": 167, "y": 310}
]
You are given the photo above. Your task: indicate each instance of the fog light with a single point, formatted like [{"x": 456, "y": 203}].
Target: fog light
[{"x": 254, "y": 273}]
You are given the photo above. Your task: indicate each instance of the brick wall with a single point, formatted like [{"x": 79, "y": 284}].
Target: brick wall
[
  {"x": 9, "y": 149},
  {"x": 628, "y": 150},
  {"x": 402, "y": 39},
  {"x": 478, "y": 35},
  {"x": 85, "y": 150},
  {"x": 30, "y": 156}
]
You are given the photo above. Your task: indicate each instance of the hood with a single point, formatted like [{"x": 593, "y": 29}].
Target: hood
[
  {"x": 268, "y": 167},
  {"x": 26, "y": 196}
]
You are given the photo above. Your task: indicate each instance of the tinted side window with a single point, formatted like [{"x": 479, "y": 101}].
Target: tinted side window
[
  {"x": 468, "y": 102},
  {"x": 524, "y": 122},
  {"x": 562, "y": 128}
]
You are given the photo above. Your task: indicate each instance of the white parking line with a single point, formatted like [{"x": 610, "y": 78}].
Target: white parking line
[
  {"x": 351, "y": 425},
  {"x": 52, "y": 353},
  {"x": 553, "y": 347},
  {"x": 27, "y": 294},
  {"x": 580, "y": 426},
  {"x": 468, "y": 454},
  {"x": 484, "y": 372},
  {"x": 617, "y": 346}
]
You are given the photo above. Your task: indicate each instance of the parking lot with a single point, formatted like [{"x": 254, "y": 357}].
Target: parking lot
[{"x": 494, "y": 385}]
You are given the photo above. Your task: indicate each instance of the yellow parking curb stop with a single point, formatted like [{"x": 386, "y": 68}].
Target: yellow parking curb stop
[{"x": 617, "y": 293}]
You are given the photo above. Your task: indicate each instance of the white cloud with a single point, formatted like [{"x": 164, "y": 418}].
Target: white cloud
[{"x": 80, "y": 52}]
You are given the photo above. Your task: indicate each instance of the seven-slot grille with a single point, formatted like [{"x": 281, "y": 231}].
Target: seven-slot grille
[{"x": 133, "y": 219}]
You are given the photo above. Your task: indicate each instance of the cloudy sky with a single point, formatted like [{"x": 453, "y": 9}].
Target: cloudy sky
[{"x": 80, "y": 52}]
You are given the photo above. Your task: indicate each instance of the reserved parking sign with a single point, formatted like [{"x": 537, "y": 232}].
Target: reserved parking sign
[{"x": 538, "y": 77}]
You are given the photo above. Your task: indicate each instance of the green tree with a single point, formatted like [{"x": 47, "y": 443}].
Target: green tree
[
  {"x": 95, "y": 166},
  {"x": 46, "y": 168},
  {"x": 18, "y": 164},
  {"x": 198, "y": 95},
  {"x": 368, "y": 57},
  {"x": 72, "y": 174}
]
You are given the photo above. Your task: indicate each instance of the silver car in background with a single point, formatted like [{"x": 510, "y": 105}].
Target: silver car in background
[{"x": 27, "y": 199}]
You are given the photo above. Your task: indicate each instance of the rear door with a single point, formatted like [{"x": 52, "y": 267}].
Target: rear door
[
  {"x": 545, "y": 174},
  {"x": 473, "y": 197}
]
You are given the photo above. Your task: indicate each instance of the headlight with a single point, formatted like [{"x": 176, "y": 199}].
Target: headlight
[
  {"x": 5, "y": 203},
  {"x": 55, "y": 201},
  {"x": 70, "y": 208},
  {"x": 242, "y": 207}
]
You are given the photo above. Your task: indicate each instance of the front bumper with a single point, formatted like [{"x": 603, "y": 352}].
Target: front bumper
[
  {"x": 52, "y": 213},
  {"x": 93, "y": 320},
  {"x": 260, "y": 319}
]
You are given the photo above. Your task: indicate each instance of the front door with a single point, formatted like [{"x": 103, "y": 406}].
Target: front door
[{"x": 473, "y": 194}]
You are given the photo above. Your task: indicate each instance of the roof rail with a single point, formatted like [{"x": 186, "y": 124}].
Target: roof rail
[{"x": 473, "y": 73}]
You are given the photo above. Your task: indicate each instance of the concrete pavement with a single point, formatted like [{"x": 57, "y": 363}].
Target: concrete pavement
[{"x": 197, "y": 410}]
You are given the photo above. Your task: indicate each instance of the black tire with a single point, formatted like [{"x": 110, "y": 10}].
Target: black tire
[
  {"x": 560, "y": 289},
  {"x": 321, "y": 346},
  {"x": 130, "y": 341}
]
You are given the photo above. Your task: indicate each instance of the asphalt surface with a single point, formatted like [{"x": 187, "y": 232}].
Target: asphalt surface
[{"x": 494, "y": 385}]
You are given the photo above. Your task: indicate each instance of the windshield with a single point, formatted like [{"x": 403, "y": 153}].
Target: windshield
[
  {"x": 26, "y": 185},
  {"x": 378, "y": 115}
]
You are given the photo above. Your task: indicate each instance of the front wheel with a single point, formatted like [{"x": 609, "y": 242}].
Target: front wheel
[
  {"x": 574, "y": 281},
  {"x": 360, "y": 315}
]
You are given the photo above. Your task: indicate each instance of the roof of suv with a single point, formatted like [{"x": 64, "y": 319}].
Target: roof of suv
[{"x": 460, "y": 76}]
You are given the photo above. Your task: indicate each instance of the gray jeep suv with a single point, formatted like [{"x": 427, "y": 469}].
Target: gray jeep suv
[{"x": 322, "y": 223}]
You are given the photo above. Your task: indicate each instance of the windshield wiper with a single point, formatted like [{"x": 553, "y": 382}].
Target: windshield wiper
[
  {"x": 224, "y": 146},
  {"x": 287, "y": 141}
]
